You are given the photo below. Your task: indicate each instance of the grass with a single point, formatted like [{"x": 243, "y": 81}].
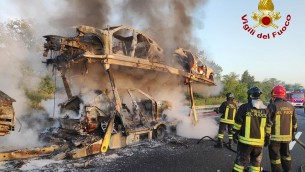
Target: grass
[
  {"x": 209, "y": 101},
  {"x": 200, "y": 100}
]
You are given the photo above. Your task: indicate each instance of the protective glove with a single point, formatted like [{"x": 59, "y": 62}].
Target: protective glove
[
  {"x": 216, "y": 110},
  {"x": 235, "y": 137},
  {"x": 294, "y": 132},
  {"x": 267, "y": 141}
]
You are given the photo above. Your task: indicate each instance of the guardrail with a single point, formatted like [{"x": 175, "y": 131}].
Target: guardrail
[
  {"x": 210, "y": 107},
  {"x": 207, "y": 107}
]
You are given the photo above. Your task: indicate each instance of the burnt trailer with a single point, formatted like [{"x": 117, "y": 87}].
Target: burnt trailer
[
  {"x": 127, "y": 47},
  {"x": 7, "y": 114},
  {"x": 120, "y": 122},
  {"x": 121, "y": 46}
]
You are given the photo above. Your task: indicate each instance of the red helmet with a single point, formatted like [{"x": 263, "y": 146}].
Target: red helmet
[{"x": 278, "y": 92}]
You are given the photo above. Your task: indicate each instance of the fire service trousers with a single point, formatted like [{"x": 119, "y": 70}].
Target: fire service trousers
[
  {"x": 246, "y": 154},
  {"x": 280, "y": 157},
  {"x": 222, "y": 128}
]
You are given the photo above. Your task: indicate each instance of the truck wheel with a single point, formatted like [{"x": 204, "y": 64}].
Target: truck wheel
[{"x": 160, "y": 132}]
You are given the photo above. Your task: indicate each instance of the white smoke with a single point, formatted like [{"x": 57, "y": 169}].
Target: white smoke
[
  {"x": 186, "y": 125},
  {"x": 159, "y": 85},
  {"x": 208, "y": 91},
  {"x": 19, "y": 69}
]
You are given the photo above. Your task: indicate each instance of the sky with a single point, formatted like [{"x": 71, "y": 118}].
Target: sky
[
  {"x": 217, "y": 29},
  {"x": 235, "y": 50},
  {"x": 221, "y": 35}
]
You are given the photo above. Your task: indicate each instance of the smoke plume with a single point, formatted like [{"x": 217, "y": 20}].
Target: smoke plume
[
  {"x": 170, "y": 23},
  {"x": 19, "y": 68},
  {"x": 77, "y": 12}
]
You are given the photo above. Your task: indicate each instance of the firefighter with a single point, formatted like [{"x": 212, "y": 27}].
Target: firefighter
[
  {"x": 228, "y": 110},
  {"x": 284, "y": 127},
  {"x": 272, "y": 99},
  {"x": 252, "y": 125}
]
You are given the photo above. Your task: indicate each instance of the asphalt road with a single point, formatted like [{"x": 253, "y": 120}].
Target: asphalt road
[
  {"x": 186, "y": 155},
  {"x": 171, "y": 154}
]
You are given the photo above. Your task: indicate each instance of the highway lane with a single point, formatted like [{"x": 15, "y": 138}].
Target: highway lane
[
  {"x": 191, "y": 156},
  {"x": 173, "y": 153},
  {"x": 298, "y": 152}
]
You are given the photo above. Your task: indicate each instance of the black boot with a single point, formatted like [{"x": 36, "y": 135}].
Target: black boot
[
  {"x": 230, "y": 143},
  {"x": 219, "y": 144}
]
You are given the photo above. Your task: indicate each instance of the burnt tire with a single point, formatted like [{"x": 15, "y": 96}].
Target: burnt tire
[{"x": 160, "y": 132}]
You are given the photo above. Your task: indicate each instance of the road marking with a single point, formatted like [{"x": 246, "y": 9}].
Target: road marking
[{"x": 297, "y": 136}]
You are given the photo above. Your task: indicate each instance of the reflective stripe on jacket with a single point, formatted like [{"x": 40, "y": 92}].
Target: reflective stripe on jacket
[
  {"x": 252, "y": 124},
  {"x": 228, "y": 110},
  {"x": 284, "y": 120}
]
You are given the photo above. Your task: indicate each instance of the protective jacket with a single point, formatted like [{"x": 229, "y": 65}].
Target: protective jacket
[
  {"x": 252, "y": 124},
  {"x": 228, "y": 110},
  {"x": 284, "y": 120}
]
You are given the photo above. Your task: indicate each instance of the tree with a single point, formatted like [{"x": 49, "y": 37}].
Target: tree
[
  {"x": 288, "y": 87},
  {"x": 297, "y": 87},
  {"x": 17, "y": 39},
  {"x": 267, "y": 85},
  {"x": 233, "y": 84},
  {"x": 44, "y": 91},
  {"x": 247, "y": 79},
  {"x": 20, "y": 29},
  {"x": 274, "y": 81}
]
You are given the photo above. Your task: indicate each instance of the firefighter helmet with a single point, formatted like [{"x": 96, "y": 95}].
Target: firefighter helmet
[
  {"x": 278, "y": 92},
  {"x": 230, "y": 95},
  {"x": 254, "y": 92}
]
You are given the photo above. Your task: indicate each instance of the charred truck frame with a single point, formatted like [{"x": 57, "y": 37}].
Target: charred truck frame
[
  {"x": 123, "y": 46},
  {"x": 126, "y": 47}
]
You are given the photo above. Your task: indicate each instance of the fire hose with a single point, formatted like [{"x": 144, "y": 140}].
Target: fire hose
[
  {"x": 224, "y": 143},
  {"x": 300, "y": 143}
]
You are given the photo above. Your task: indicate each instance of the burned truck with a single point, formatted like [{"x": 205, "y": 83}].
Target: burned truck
[
  {"x": 140, "y": 116},
  {"x": 138, "y": 109},
  {"x": 121, "y": 122},
  {"x": 7, "y": 114},
  {"x": 191, "y": 63},
  {"x": 123, "y": 46}
]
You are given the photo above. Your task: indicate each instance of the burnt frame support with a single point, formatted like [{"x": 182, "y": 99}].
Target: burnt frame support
[
  {"x": 193, "y": 110},
  {"x": 66, "y": 85}
]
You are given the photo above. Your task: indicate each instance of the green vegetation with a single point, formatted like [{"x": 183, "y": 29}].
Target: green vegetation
[
  {"x": 200, "y": 100},
  {"x": 209, "y": 101},
  {"x": 44, "y": 91},
  {"x": 21, "y": 33},
  {"x": 240, "y": 86}
]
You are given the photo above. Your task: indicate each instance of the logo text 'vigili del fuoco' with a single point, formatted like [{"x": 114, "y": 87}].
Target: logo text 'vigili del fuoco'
[{"x": 266, "y": 18}]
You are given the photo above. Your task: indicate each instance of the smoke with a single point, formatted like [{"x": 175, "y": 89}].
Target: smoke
[
  {"x": 93, "y": 13},
  {"x": 170, "y": 23},
  {"x": 161, "y": 86},
  {"x": 207, "y": 91},
  {"x": 20, "y": 68},
  {"x": 205, "y": 127}
]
